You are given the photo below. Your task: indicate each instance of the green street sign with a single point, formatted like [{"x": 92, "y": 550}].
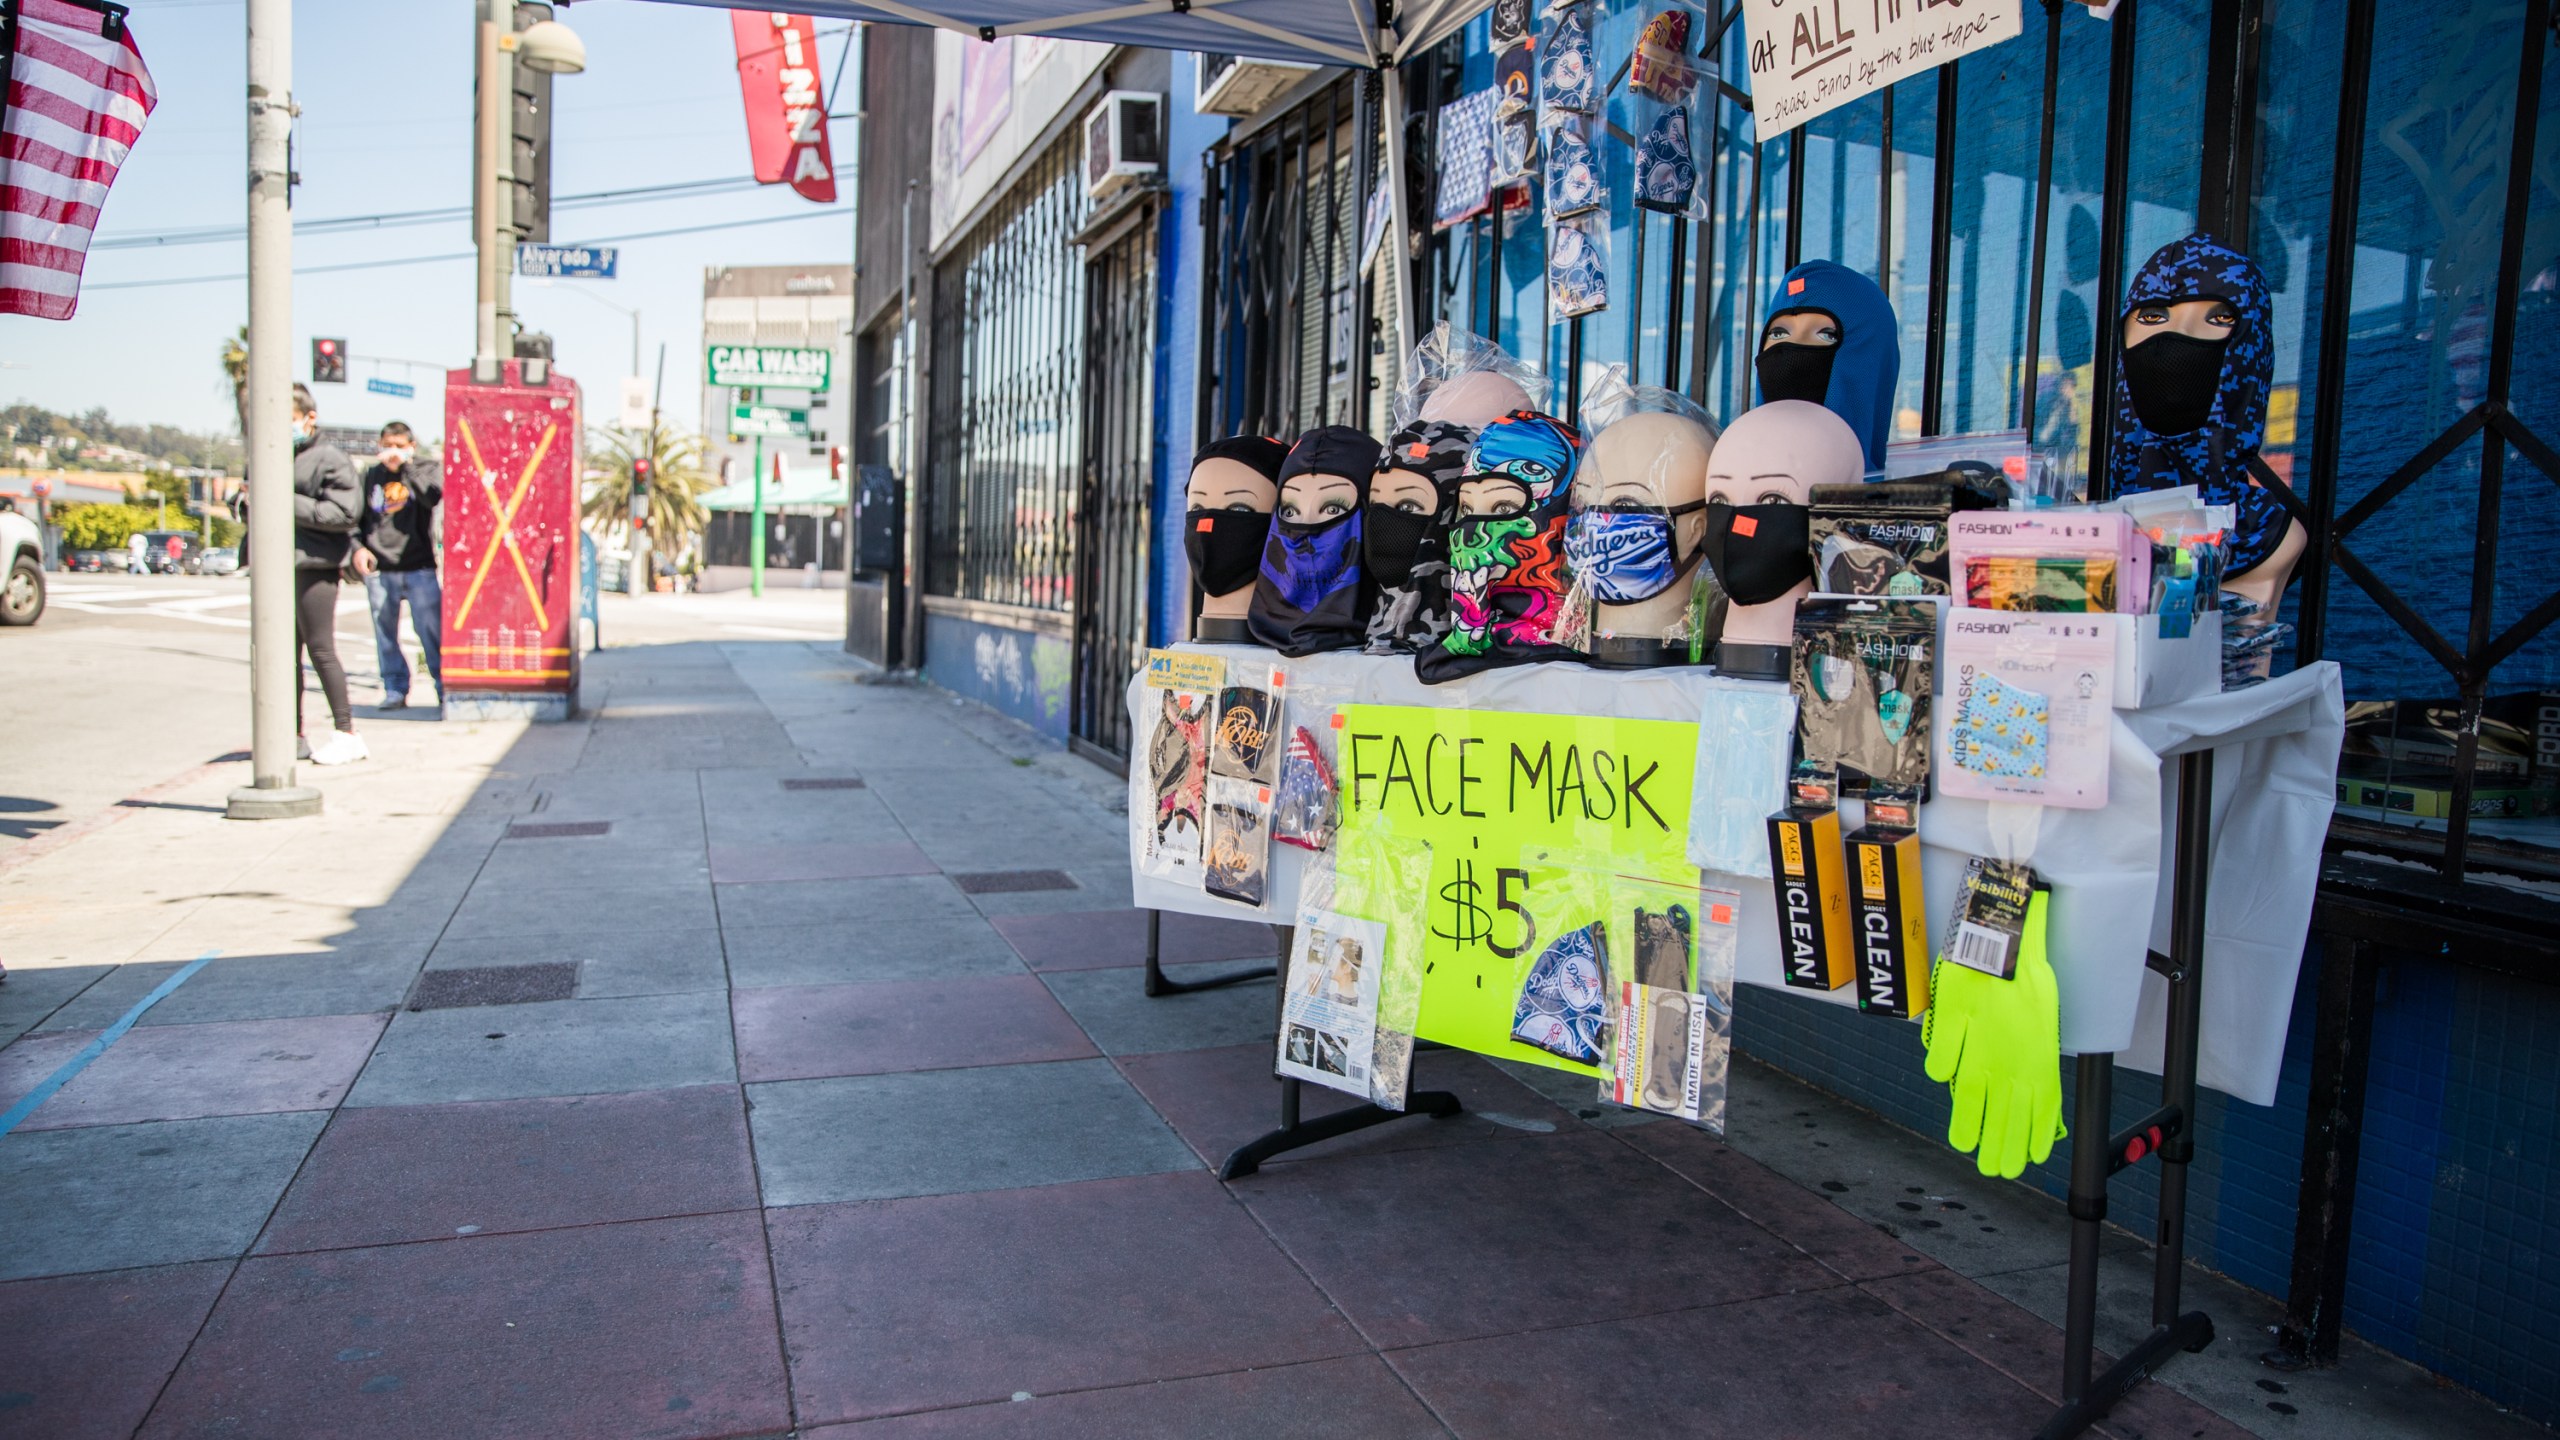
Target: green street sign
[
  {"x": 767, "y": 420},
  {"x": 782, "y": 367}
]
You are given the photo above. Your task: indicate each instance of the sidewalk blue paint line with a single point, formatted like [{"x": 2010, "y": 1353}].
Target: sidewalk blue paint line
[{"x": 98, "y": 1047}]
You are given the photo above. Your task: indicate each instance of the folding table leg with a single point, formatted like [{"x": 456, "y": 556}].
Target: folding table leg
[{"x": 1156, "y": 984}]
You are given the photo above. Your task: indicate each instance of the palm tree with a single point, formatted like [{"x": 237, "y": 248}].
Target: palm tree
[
  {"x": 676, "y": 484},
  {"x": 235, "y": 368}
]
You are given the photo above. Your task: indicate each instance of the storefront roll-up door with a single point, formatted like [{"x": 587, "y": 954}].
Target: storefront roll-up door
[{"x": 1119, "y": 462}]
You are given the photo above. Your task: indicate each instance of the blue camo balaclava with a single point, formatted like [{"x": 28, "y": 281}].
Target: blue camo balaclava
[
  {"x": 1867, "y": 363},
  {"x": 2214, "y": 457}
]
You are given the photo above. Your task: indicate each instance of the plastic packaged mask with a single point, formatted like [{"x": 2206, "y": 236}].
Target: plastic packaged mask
[
  {"x": 1564, "y": 1001},
  {"x": 1566, "y": 79},
  {"x": 1573, "y": 175},
  {"x": 1666, "y": 172}
]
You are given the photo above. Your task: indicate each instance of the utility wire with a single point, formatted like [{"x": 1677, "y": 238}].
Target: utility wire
[
  {"x": 341, "y": 224},
  {"x": 465, "y": 254}
]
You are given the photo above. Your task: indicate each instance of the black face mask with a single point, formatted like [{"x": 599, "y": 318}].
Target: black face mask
[
  {"x": 1393, "y": 542},
  {"x": 1225, "y": 547},
  {"x": 2172, "y": 379},
  {"x": 1789, "y": 371},
  {"x": 1758, "y": 552}
]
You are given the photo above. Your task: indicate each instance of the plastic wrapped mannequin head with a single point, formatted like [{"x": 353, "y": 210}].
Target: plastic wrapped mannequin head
[
  {"x": 2191, "y": 400},
  {"x": 1312, "y": 594},
  {"x": 1476, "y": 398},
  {"x": 1829, "y": 336},
  {"x": 1464, "y": 379},
  {"x": 1758, "y": 534},
  {"x": 1638, "y": 528},
  {"x": 1227, "y": 503}
]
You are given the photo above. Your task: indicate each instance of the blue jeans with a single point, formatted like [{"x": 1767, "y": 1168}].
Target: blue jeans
[{"x": 385, "y": 589}]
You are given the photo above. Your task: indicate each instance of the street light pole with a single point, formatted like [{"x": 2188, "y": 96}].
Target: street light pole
[
  {"x": 274, "y": 669},
  {"x": 493, "y": 187}
]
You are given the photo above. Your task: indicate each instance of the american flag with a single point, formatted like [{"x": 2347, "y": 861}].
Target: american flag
[{"x": 77, "y": 96}]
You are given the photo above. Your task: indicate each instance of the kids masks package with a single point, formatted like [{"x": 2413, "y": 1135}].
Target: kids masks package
[{"x": 2030, "y": 707}]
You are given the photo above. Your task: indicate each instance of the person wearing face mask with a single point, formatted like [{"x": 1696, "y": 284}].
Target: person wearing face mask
[
  {"x": 1830, "y": 337},
  {"x": 1234, "y": 483},
  {"x": 395, "y": 552},
  {"x": 2191, "y": 401},
  {"x": 1311, "y": 594},
  {"x": 1404, "y": 539},
  {"x": 327, "y": 503}
]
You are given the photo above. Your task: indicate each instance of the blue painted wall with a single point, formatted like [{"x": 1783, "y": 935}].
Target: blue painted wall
[
  {"x": 2452, "y": 1258},
  {"x": 1188, "y": 135},
  {"x": 1017, "y": 672}
]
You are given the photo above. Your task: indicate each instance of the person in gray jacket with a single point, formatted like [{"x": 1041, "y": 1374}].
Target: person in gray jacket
[{"x": 327, "y": 503}]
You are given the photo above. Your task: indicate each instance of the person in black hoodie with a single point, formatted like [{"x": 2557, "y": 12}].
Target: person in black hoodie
[
  {"x": 327, "y": 502},
  {"x": 395, "y": 553}
]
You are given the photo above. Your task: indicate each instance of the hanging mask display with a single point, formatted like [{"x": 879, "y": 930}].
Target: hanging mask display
[
  {"x": 1839, "y": 347},
  {"x": 1506, "y": 549},
  {"x": 1404, "y": 536},
  {"x": 1660, "y": 66},
  {"x": 1577, "y": 270},
  {"x": 1510, "y": 23},
  {"x": 1759, "y": 552},
  {"x": 1311, "y": 594},
  {"x": 1515, "y": 83},
  {"x": 1566, "y": 79},
  {"x": 1515, "y": 147},
  {"x": 1666, "y": 174},
  {"x": 1573, "y": 174}
]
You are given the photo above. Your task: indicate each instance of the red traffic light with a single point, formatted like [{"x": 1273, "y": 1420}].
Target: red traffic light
[
  {"x": 328, "y": 361},
  {"x": 327, "y": 347},
  {"x": 640, "y": 471}
]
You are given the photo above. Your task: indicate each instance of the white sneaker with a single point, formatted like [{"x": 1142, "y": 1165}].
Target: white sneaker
[{"x": 342, "y": 747}]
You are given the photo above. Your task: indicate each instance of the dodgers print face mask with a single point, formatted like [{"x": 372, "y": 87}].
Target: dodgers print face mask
[{"x": 1628, "y": 553}]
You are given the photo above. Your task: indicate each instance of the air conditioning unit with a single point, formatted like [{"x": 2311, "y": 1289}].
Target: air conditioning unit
[
  {"x": 1123, "y": 142},
  {"x": 1240, "y": 85}
]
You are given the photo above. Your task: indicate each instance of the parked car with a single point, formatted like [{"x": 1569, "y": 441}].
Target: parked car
[
  {"x": 172, "y": 552},
  {"x": 93, "y": 562},
  {"x": 220, "y": 560},
  {"x": 21, "y": 568}
]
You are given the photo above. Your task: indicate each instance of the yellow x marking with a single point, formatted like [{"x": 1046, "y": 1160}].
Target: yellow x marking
[{"x": 506, "y": 525}]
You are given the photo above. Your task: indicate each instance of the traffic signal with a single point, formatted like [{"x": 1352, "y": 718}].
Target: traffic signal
[
  {"x": 835, "y": 462},
  {"x": 532, "y": 138},
  {"x": 641, "y": 469},
  {"x": 328, "y": 362}
]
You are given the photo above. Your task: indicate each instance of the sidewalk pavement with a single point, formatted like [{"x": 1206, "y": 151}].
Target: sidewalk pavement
[{"x": 764, "y": 1054}]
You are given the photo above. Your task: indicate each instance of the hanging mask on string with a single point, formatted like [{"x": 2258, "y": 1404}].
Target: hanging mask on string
[
  {"x": 1660, "y": 65},
  {"x": 1628, "y": 553},
  {"x": 2172, "y": 379},
  {"x": 1311, "y": 594},
  {"x": 1758, "y": 552},
  {"x": 1666, "y": 174}
]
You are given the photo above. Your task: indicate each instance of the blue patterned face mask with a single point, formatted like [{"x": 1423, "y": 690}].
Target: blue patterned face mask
[
  {"x": 1627, "y": 554},
  {"x": 1573, "y": 175},
  {"x": 1566, "y": 78},
  {"x": 1563, "y": 1007},
  {"x": 1666, "y": 176}
]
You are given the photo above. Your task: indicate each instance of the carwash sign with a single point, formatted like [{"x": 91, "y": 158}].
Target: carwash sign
[
  {"x": 782, "y": 367},
  {"x": 786, "y": 111}
]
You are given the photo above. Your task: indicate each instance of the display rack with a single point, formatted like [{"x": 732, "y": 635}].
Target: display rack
[
  {"x": 2166, "y": 1134},
  {"x": 1158, "y": 985}
]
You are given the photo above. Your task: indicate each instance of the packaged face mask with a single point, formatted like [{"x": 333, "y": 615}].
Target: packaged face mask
[
  {"x": 1237, "y": 865},
  {"x": 1564, "y": 1002},
  {"x": 1178, "y": 773},
  {"x": 1573, "y": 175},
  {"x": 2096, "y": 553},
  {"x": 1862, "y": 671},
  {"x": 1660, "y": 65},
  {"x": 1666, "y": 169},
  {"x": 2074, "y": 584},
  {"x": 1510, "y": 23},
  {"x": 1243, "y": 744},
  {"x": 1566, "y": 80},
  {"x": 1888, "y": 538},
  {"x": 1577, "y": 272},
  {"x": 1515, "y": 149},
  {"x": 1303, "y": 815},
  {"x": 2030, "y": 708}
]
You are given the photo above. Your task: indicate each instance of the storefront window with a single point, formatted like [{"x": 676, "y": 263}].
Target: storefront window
[
  {"x": 1991, "y": 221},
  {"x": 2076, "y": 317}
]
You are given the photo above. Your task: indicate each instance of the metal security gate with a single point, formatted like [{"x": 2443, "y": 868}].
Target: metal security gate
[{"x": 1119, "y": 463}]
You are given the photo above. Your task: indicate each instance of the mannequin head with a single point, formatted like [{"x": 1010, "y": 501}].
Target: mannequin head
[
  {"x": 1227, "y": 514},
  {"x": 1311, "y": 594},
  {"x": 1506, "y": 548},
  {"x": 1412, "y": 497},
  {"x": 1829, "y": 337},
  {"x": 1475, "y": 398},
  {"x": 1759, "y": 479},
  {"x": 1639, "y": 522}
]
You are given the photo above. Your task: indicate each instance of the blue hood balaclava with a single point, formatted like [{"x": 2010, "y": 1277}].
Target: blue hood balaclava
[
  {"x": 2214, "y": 457},
  {"x": 1868, "y": 361}
]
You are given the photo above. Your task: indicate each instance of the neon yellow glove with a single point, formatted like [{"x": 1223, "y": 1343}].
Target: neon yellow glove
[{"x": 1999, "y": 1043}]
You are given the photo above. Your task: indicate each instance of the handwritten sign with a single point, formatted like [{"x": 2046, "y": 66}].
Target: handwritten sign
[
  {"x": 1184, "y": 671},
  {"x": 1809, "y": 57}
]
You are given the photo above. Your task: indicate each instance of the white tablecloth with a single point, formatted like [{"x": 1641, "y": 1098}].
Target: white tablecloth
[{"x": 2274, "y": 782}]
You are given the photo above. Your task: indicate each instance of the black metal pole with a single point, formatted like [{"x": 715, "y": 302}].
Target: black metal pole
[
  {"x": 1672, "y": 315},
  {"x": 1157, "y": 985},
  {"x": 2325, "y": 1197},
  {"x": 2111, "y": 242},
  {"x": 1942, "y": 185},
  {"x": 2028, "y": 378},
  {"x": 2337, "y": 294},
  {"x": 2094, "y": 1097},
  {"x": 2193, "y": 865}
]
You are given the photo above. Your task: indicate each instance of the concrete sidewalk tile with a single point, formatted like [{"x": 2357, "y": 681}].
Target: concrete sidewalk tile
[
  {"x": 559, "y": 1047},
  {"x": 1098, "y": 885},
  {"x": 1833, "y": 1363},
  {"x": 955, "y": 1299},
  {"x": 877, "y": 1137},
  {"x": 652, "y": 1330},
  {"x": 1806, "y": 1219},
  {"x": 847, "y": 904},
  {"x": 430, "y": 1172},
  {"x": 1354, "y": 1398},
  {"x": 1218, "y": 1099},
  {"x": 1424, "y": 1246},
  {"x": 1124, "y": 1020},
  {"x": 188, "y": 1072},
  {"x": 738, "y": 864},
  {"x": 578, "y": 909},
  {"x": 29, "y": 996},
  {"x": 248, "y": 987},
  {"x": 612, "y": 960},
  {"x": 955, "y": 946},
  {"x": 83, "y": 1356},
  {"x": 110, "y": 1197},
  {"x": 2029, "y": 1351},
  {"x": 1095, "y": 939},
  {"x": 800, "y": 1031}
]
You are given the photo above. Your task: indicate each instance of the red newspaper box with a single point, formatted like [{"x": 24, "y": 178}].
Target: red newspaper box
[{"x": 511, "y": 468}]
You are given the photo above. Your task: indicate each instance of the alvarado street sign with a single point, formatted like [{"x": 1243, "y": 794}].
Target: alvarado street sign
[{"x": 778, "y": 366}]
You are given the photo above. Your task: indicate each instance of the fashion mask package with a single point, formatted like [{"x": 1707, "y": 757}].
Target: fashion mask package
[
  {"x": 1568, "y": 82},
  {"x": 1302, "y": 812},
  {"x": 1890, "y": 537},
  {"x": 1861, "y": 671},
  {"x": 1177, "y": 776},
  {"x": 1311, "y": 594},
  {"x": 2030, "y": 701},
  {"x": 1237, "y": 862},
  {"x": 1244, "y": 734},
  {"x": 1405, "y": 539},
  {"x": 1506, "y": 562},
  {"x": 1573, "y": 173},
  {"x": 2050, "y": 560},
  {"x": 2192, "y": 411}
]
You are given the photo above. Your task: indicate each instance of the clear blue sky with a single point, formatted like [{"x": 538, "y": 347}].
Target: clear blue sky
[{"x": 385, "y": 92}]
